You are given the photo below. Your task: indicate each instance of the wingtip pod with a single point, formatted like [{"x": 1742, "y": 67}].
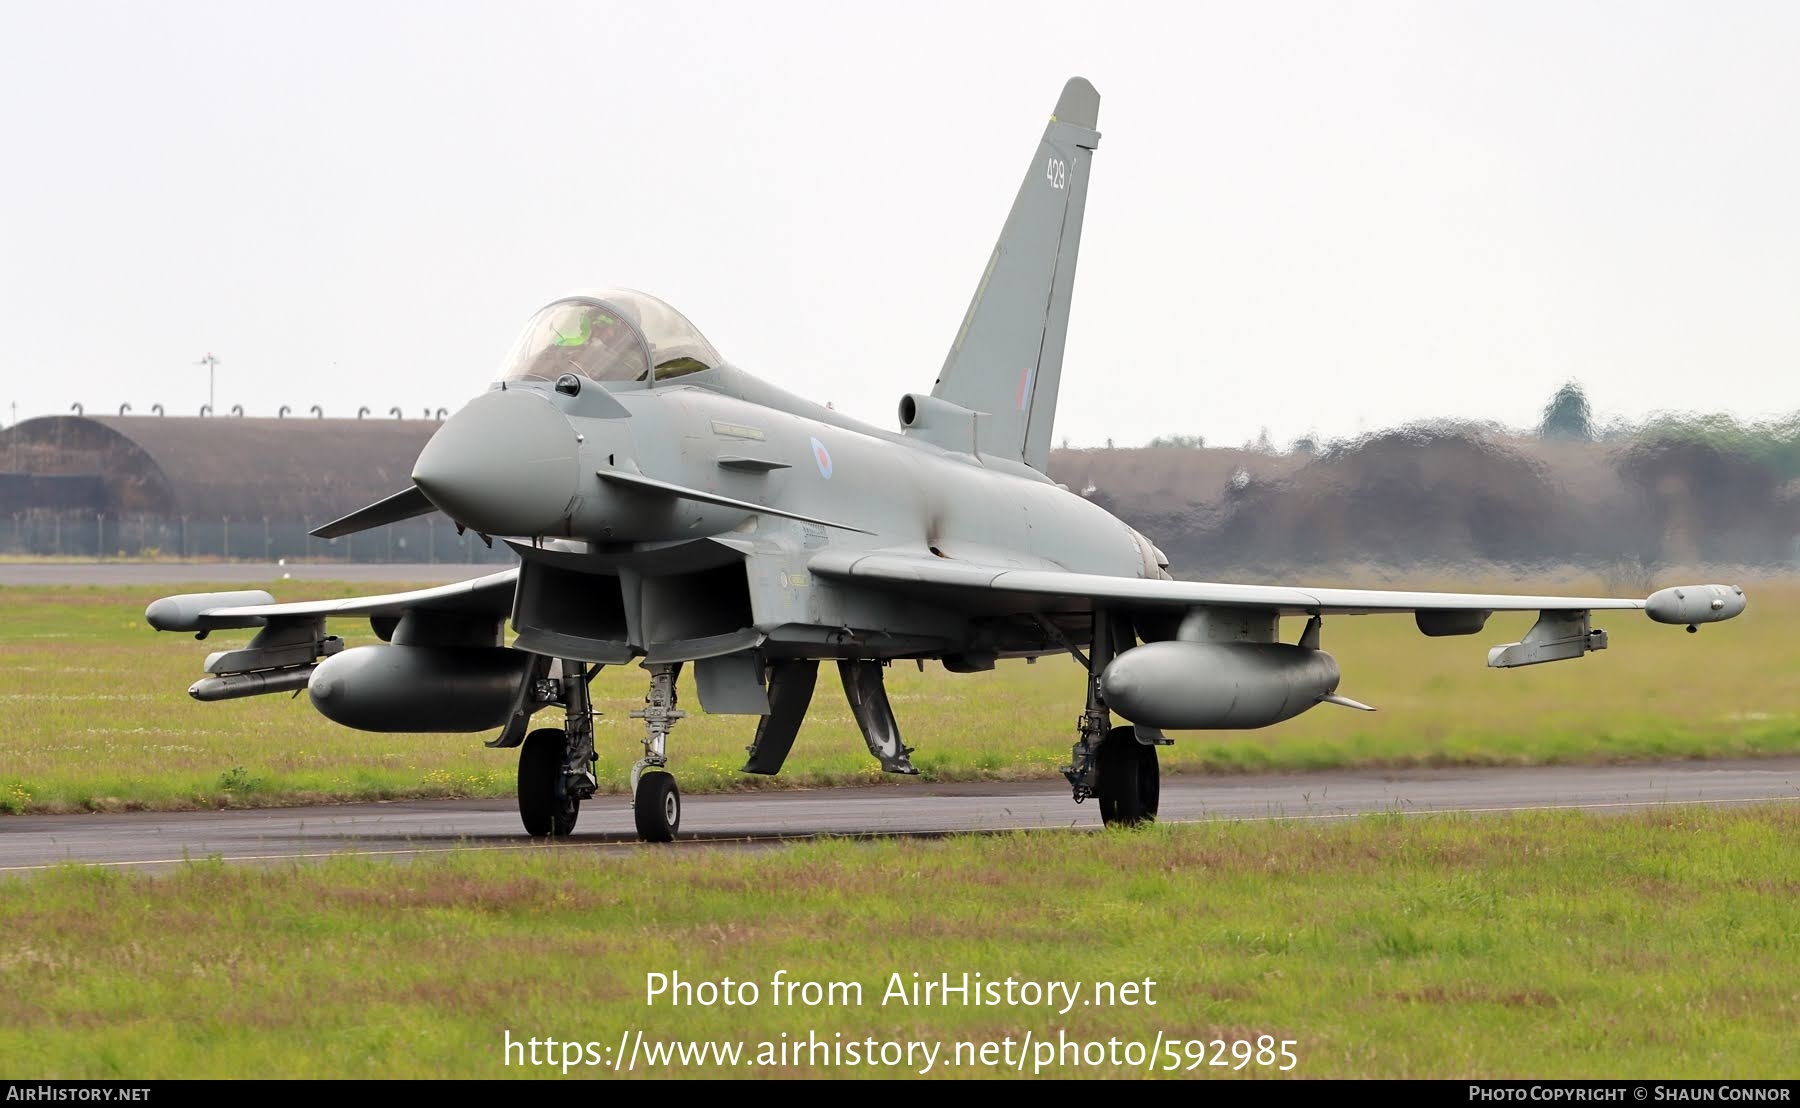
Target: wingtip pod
[
  {"x": 187, "y": 611},
  {"x": 1695, "y": 604},
  {"x": 1079, "y": 104}
]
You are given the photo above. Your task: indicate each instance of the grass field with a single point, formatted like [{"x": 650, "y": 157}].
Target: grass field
[
  {"x": 98, "y": 716},
  {"x": 1661, "y": 944}
]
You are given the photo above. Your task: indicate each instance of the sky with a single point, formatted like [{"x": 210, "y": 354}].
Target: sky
[{"x": 1315, "y": 218}]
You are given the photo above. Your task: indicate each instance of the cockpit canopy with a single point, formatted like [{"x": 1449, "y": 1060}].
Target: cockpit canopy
[{"x": 613, "y": 335}]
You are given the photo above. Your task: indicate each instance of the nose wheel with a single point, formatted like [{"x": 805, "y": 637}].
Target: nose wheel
[{"x": 657, "y": 806}]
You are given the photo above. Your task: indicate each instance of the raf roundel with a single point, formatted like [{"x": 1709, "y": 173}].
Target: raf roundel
[{"x": 823, "y": 457}]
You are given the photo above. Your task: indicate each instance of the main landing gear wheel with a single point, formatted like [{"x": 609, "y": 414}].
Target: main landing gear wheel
[
  {"x": 657, "y": 806},
  {"x": 544, "y": 805},
  {"x": 1130, "y": 782}
]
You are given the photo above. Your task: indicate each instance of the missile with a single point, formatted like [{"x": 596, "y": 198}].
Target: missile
[{"x": 231, "y": 686}]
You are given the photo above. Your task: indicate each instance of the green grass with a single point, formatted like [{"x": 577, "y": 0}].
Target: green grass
[
  {"x": 99, "y": 717},
  {"x": 1661, "y": 944}
]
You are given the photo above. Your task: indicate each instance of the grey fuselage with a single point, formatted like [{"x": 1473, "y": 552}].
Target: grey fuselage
[{"x": 614, "y": 570}]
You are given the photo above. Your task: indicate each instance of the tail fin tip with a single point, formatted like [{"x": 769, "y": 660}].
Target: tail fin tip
[{"x": 1079, "y": 104}]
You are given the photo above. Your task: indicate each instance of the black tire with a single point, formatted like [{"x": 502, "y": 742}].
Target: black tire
[
  {"x": 543, "y": 811},
  {"x": 657, "y": 806},
  {"x": 1130, "y": 785}
]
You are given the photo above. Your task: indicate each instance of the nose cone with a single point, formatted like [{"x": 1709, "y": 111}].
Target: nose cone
[{"x": 507, "y": 464}]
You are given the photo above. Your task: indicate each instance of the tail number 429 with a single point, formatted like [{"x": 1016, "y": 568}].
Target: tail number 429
[{"x": 1056, "y": 171}]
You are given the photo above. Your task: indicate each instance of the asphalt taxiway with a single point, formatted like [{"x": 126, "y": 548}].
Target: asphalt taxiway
[{"x": 408, "y": 829}]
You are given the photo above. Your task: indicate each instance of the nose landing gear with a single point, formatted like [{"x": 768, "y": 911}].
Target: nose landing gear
[{"x": 655, "y": 799}]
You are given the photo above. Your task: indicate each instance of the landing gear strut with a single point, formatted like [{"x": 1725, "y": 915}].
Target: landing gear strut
[
  {"x": 655, "y": 800},
  {"x": 1107, "y": 762},
  {"x": 556, "y": 767}
]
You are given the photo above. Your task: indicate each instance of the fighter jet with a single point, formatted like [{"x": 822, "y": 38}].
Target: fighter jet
[{"x": 670, "y": 509}]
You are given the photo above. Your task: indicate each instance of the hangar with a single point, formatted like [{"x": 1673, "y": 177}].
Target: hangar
[{"x": 215, "y": 486}]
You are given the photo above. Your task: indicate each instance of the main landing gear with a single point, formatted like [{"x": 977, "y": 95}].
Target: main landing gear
[
  {"x": 556, "y": 765},
  {"x": 1117, "y": 766}
]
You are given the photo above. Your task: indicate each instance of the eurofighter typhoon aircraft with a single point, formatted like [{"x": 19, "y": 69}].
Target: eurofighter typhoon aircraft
[{"x": 670, "y": 509}]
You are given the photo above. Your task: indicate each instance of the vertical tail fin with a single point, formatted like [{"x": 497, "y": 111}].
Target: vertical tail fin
[{"x": 1006, "y": 363}]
